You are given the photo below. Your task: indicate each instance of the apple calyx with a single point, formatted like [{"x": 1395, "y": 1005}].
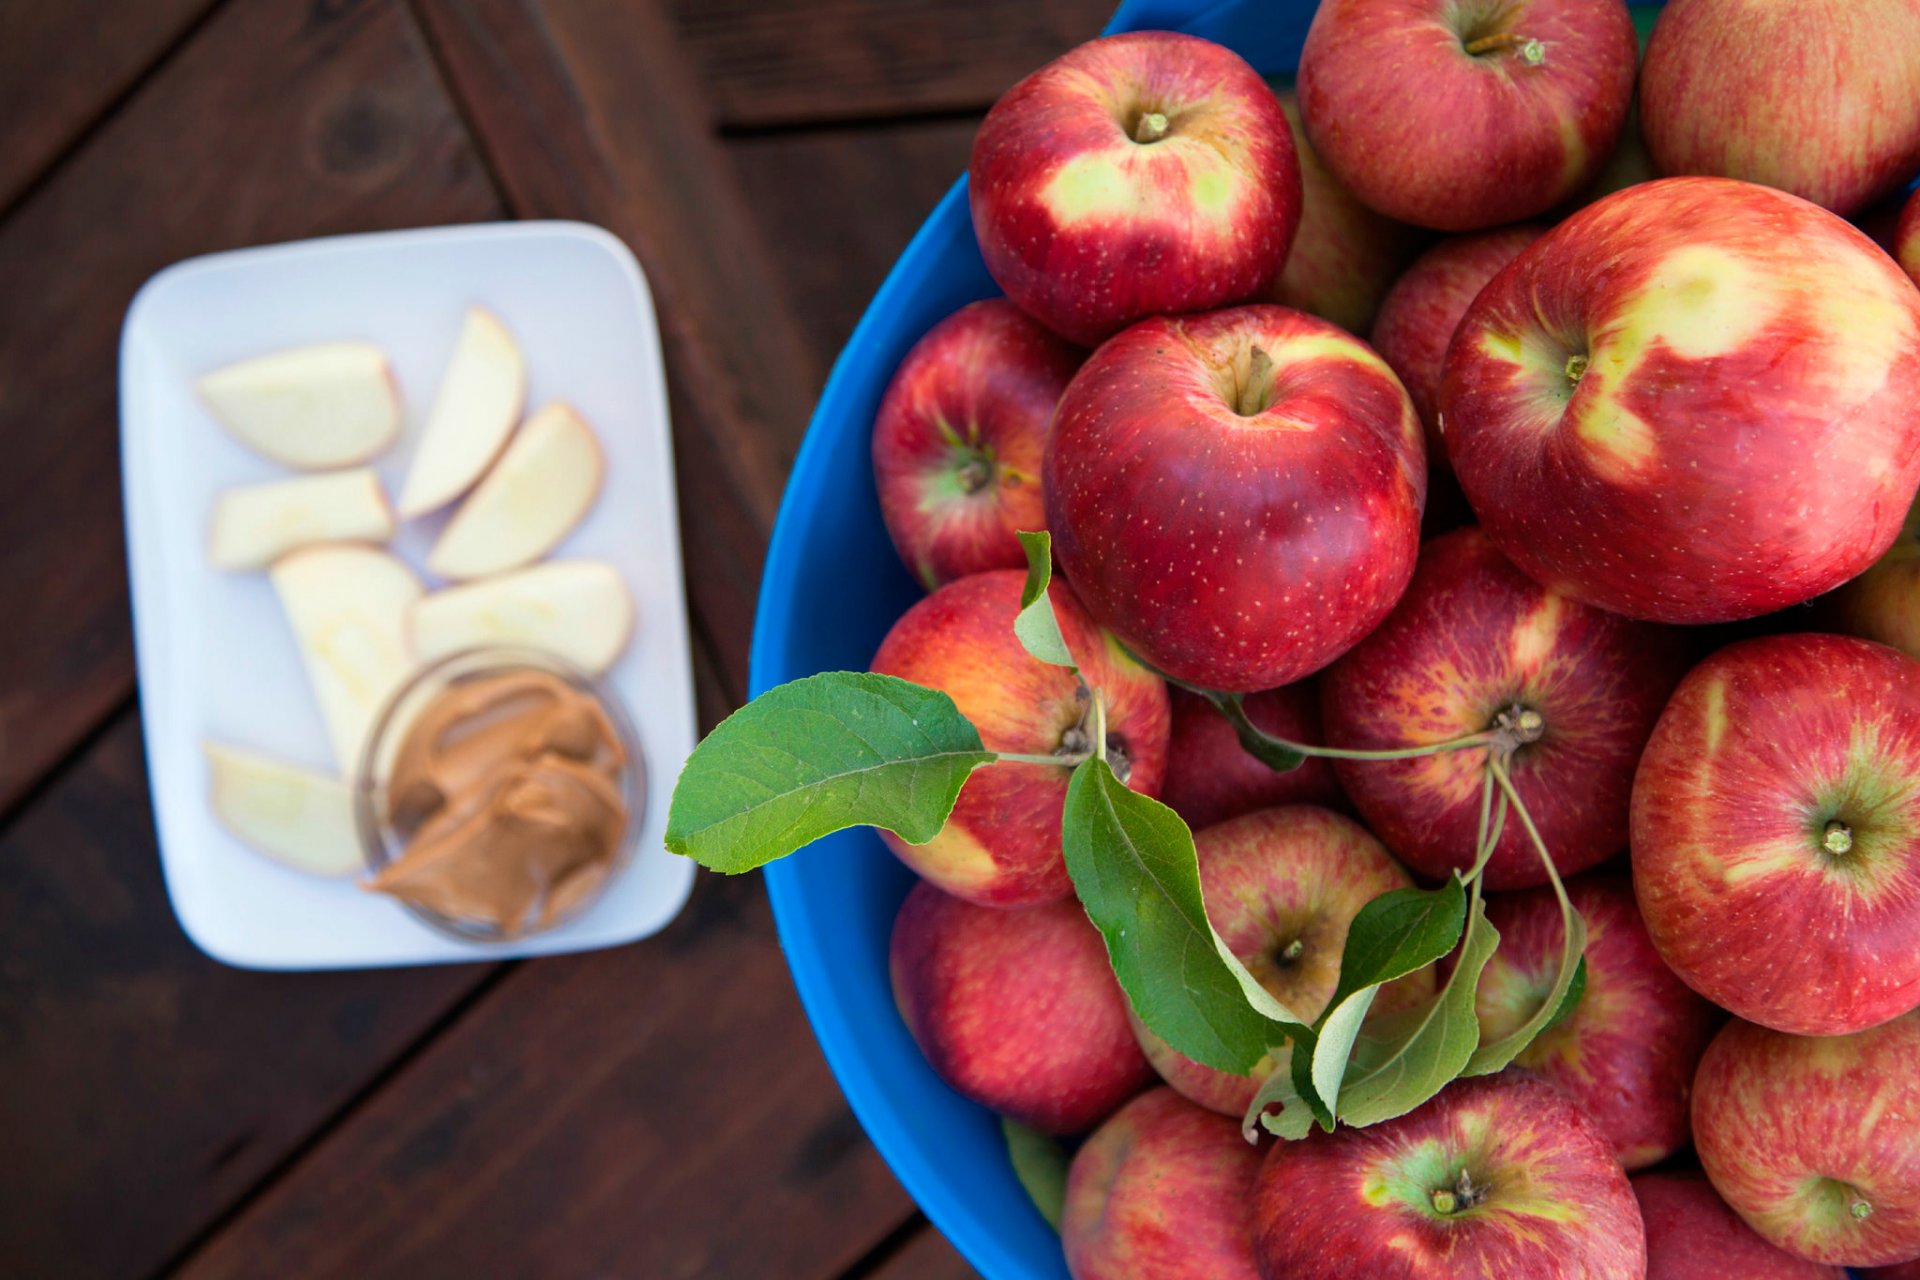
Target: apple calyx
[
  {"x": 1464, "y": 1194},
  {"x": 1531, "y": 51},
  {"x": 1837, "y": 839},
  {"x": 975, "y": 474},
  {"x": 1150, "y": 126},
  {"x": 1576, "y": 368}
]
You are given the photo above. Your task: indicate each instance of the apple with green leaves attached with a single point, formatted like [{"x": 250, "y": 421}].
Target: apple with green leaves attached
[
  {"x": 1211, "y": 777},
  {"x": 1693, "y": 1235}
]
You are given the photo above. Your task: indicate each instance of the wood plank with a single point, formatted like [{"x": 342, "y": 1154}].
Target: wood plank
[
  {"x": 142, "y": 1086},
  {"x": 927, "y": 1256},
  {"x": 810, "y": 61},
  {"x": 280, "y": 120},
  {"x": 63, "y": 65}
]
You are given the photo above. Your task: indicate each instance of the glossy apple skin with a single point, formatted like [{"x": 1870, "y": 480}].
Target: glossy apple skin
[
  {"x": 1089, "y": 230},
  {"x": 1424, "y": 307},
  {"x": 1473, "y": 637},
  {"x": 1820, "y": 98},
  {"x": 1795, "y": 1130},
  {"x": 1488, "y": 138},
  {"x": 1884, "y": 602},
  {"x": 1272, "y": 879},
  {"x": 1357, "y": 1202},
  {"x": 1693, "y": 1235},
  {"x": 1236, "y": 552},
  {"x": 1001, "y": 845},
  {"x": 1345, "y": 255},
  {"x": 959, "y": 438},
  {"x": 1763, "y": 745},
  {"x": 1735, "y": 336},
  {"x": 1628, "y": 1050},
  {"x": 1016, "y": 1010},
  {"x": 1210, "y": 777},
  {"x": 1161, "y": 1190}
]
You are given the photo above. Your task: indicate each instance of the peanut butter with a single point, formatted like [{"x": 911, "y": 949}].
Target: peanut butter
[{"x": 506, "y": 795}]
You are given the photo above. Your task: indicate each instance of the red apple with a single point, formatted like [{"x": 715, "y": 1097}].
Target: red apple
[
  {"x": 1210, "y": 777},
  {"x": 1498, "y": 1176},
  {"x": 1236, "y": 495},
  {"x": 1001, "y": 846},
  {"x": 1474, "y": 640},
  {"x": 1694, "y": 401},
  {"x": 1693, "y": 1235},
  {"x": 1424, "y": 307},
  {"x": 1906, "y": 238},
  {"x": 1459, "y": 116},
  {"x": 1627, "y": 1052},
  {"x": 1161, "y": 1190},
  {"x": 1815, "y": 1141},
  {"x": 1776, "y": 832},
  {"x": 1884, "y": 602},
  {"x": 1017, "y": 1010},
  {"x": 1281, "y": 887},
  {"x": 959, "y": 438},
  {"x": 1345, "y": 255},
  {"x": 1137, "y": 175},
  {"x": 1820, "y": 98}
]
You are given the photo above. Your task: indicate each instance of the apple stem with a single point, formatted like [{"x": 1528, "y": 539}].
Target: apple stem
[
  {"x": 1293, "y": 951},
  {"x": 1531, "y": 50},
  {"x": 1837, "y": 838},
  {"x": 1577, "y": 368},
  {"x": 1255, "y": 391},
  {"x": 1463, "y": 1194},
  {"x": 1860, "y": 1210},
  {"x": 1151, "y": 127}
]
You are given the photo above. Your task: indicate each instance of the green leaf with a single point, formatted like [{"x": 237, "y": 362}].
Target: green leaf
[
  {"x": 841, "y": 749},
  {"x": 1571, "y": 971},
  {"x": 1572, "y": 1002},
  {"x": 1040, "y": 1163},
  {"x": 1399, "y": 932},
  {"x": 1297, "y": 1114},
  {"x": 1133, "y": 864},
  {"x": 1338, "y": 1030},
  {"x": 1036, "y": 625}
]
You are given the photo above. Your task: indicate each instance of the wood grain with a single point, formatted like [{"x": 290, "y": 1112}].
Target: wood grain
[{"x": 927, "y": 1256}]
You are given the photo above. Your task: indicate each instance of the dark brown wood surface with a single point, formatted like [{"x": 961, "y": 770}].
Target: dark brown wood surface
[{"x": 656, "y": 1110}]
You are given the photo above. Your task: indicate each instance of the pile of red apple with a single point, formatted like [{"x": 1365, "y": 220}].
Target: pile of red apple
[{"x": 1669, "y": 404}]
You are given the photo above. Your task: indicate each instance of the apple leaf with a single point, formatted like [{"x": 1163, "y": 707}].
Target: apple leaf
[
  {"x": 1399, "y": 932},
  {"x": 836, "y": 750},
  {"x": 1040, "y": 1163},
  {"x": 1296, "y": 1112},
  {"x": 1133, "y": 864},
  {"x": 1036, "y": 626}
]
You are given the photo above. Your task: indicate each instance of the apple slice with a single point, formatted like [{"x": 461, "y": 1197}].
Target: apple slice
[
  {"x": 478, "y": 403},
  {"x": 576, "y": 609},
  {"x": 540, "y": 489},
  {"x": 256, "y": 524},
  {"x": 332, "y": 404},
  {"x": 349, "y": 606},
  {"x": 295, "y": 816}
]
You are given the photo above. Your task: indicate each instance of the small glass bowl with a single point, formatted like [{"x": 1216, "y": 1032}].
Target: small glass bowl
[{"x": 381, "y": 845}]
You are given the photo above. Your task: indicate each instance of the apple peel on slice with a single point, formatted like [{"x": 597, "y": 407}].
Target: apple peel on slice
[
  {"x": 348, "y": 606},
  {"x": 542, "y": 487},
  {"x": 256, "y": 524},
  {"x": 296, "y": 817},
  {"x": 578, "y": 610},
  {"x": 331, "y": 404},
  {"x": 473, "y": 413}
]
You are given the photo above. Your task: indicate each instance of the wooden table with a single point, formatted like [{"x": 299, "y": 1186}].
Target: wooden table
[{"x": 654, "y": 1111}]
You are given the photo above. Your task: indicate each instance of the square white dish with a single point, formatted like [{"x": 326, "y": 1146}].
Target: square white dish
[{"x": 216, "y": 658}]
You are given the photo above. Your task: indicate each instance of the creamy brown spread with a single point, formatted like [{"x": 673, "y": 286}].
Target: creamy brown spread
[{"x": 506, "y": 796}]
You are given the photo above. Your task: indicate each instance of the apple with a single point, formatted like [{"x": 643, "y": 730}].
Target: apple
[
  {"x": 1884, "y": 602},
  {"x": 1161, "y": 1190},
  {"x": 1211, "y": 777},
  {"x": 1420, "y": 313},
  {"x": 1496, "y": 1176},
  {"x": 577, "y": 610},
  {"x": 1630, "y": 165},
  {"x": 1776, "y": 832},
  {"x": 299, "y": 818},
  {"x": 1820, "y": 98},
  {"x": 1001, "y": 845},
  {"x": 1693, "y": 1235},
  {"x": 542, "y": 487},
  {"x": 254, "y": 525},
  {"x": 332, "y": 404},
  {"x": 1475, "y": 641},
  {"x": 1906, "y": 237},
  {"x": 1236, "y": 495},
  {"x": 1461, "y": 116},
  {"x": 1345, "y": 255},
  {"x": 479, "y": 401},
  {"x": 1139, "y": 174},
  {"x": 1815, "y": 1140},
  {"x": 1016, "y": 1010},
  {"x": 959, "y": 438},
  {"x": 1904, "y": 1271},
  {"x": 1636, "y": 406},
  {"x": 1281, "y": 887},
  {"x": 1627, "y": 1051}
]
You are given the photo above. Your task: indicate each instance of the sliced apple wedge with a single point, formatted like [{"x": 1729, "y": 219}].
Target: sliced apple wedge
[
  {"x": 292, "y": 815},
  {"x": 474, "y": 412},
  {"x": 332, "y": 404},
  {"x": 256, "y": 524},
  {"x": 576, "y": 609},
  {"x": 540, "y": 489},
  {"x": 349, "y": 607}
]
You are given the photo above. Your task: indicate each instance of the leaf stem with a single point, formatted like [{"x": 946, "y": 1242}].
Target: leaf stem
[
  {"x": 1498, "y": 770},
  {"x": 1099, "y": 725},
  {"x": 1233, "y": 706},
  {"x": 1064, "y": 762}
]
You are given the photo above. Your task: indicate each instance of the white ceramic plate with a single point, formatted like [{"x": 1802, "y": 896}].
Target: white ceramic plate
[{"x": 216, "y": 658}]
